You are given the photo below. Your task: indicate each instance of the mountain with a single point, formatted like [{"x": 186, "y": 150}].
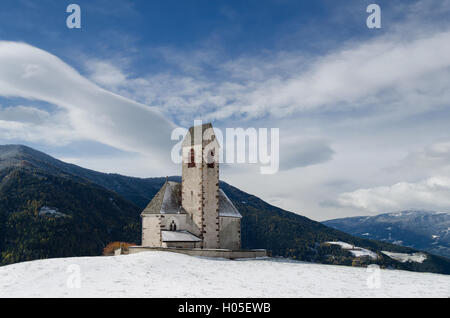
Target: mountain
[
  {"x": 424, "y": 230},
  {"x": 49, "y": 209},
  {"x": 47, "y": 212},
  {"x": 136, "y": 190},
  {"x": 158, "y": 274}
]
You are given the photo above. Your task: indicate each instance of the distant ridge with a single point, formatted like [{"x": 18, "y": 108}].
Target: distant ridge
[{"x": 421, "y": 229}]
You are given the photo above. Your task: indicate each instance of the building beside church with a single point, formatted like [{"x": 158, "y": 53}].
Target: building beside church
[{"x": 194, "y": 213}]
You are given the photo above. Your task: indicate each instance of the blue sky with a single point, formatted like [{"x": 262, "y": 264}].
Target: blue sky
[
  {"x": 363, "y": 114},
  {"x": 132, "y": 29}
]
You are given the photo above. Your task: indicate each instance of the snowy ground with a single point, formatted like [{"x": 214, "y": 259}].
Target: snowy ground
[{"x": 164, "y": 274}]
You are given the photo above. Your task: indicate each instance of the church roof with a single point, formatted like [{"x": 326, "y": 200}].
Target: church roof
[
  {"x": 168, "y": 201},
  {"x": 179, "y": 236},
  {"x": 193, "y": 138},
  {"x": 226, "y": 207}
]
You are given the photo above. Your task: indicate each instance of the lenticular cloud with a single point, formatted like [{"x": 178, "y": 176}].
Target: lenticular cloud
[{"x": 92, "y": 112}]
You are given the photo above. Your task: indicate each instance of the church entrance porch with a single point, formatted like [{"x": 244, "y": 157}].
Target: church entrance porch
[{"x": 179, "y": 239}]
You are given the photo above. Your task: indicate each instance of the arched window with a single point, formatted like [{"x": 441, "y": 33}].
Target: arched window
[
  {"x": 211, "y": 159},
  {"x": 191, "y": 162},
  {"x": 173, "y": 226}
]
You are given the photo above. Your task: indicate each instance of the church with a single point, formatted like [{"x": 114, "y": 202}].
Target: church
[{"x": 196, "y": 213}]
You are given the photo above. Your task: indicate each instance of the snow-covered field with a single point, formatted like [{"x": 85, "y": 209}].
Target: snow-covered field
[{"x": 164, "y": 274}]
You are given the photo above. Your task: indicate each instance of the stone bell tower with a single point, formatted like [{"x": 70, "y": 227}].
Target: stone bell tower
[{"x": 200, "y": 182}]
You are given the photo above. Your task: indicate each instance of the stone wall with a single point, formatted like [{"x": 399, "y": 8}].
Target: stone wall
[
  {"x": 151, "y": 230},
  {"x": 230, "y": 233},
  {"x": 210, "y": 206},
  {"x": 191, "y": 189},
  {"x": 204, "y": 252}
]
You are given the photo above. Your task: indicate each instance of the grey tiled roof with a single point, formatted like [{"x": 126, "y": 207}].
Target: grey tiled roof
[
  {"x": 226, "y": 207},
  {"x": 154, "y": 207},
  {"x": 168, "y": 201}
]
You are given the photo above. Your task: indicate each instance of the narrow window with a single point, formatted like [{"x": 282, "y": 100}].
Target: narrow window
[
  {"x": 191, "y": 162},
  {"x": 211, "y": 159}
]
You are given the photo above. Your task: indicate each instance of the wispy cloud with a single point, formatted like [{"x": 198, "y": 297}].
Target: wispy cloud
[
  {"x": 388, "y": 73},
  {"x": 23, "y": 114}
]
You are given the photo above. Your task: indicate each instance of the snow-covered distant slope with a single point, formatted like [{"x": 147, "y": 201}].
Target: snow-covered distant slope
[
  {"x": 163, "y": 274},
  {"x": 355, "y": 250},
  {"x": 423, "y": 230}
]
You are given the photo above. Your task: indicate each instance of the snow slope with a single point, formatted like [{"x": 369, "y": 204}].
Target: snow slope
[
  {"x": 164, "y": 274},
  {"x": 402, "y": 257},
  {"x": 355, "y": 250}
]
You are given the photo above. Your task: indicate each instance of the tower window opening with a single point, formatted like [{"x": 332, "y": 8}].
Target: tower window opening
[
  {"x": 191, "y": 163},
  {"x": 211, "y": 159}
]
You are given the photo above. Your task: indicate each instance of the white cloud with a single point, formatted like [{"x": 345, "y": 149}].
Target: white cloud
[
  {"x": 421, "y": 161},
  {"x": 53, "y": 134},
  {"x": 303, "y": 152},
  {"x": 435, "y": 155},
  {"x": 32, "y": 124},
  {"x": 106, "y": 74},
  {"x": 355, "y": 76},
  {"x": 23, "y": 114},
  {"x": 432, "y": 193},
  {"x": 89, "y": 111},
  {"x": 388, "y": 74}
]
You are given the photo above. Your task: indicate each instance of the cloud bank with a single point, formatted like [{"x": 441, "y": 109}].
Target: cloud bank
[
  {"x": 430, "y": 194},
  {"x": 85, "y": 111}
]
